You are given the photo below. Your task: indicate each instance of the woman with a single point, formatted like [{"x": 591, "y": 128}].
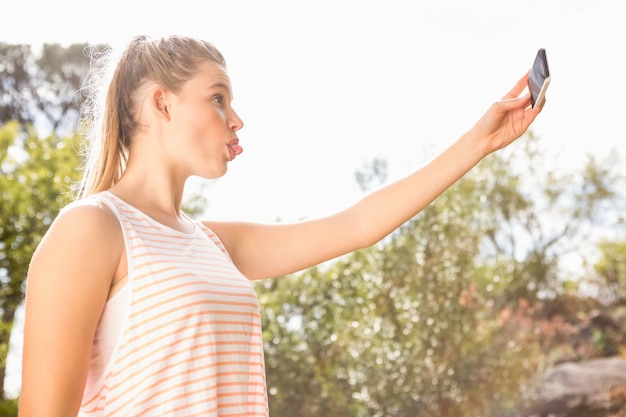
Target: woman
[{"x": 134, "y": 309}]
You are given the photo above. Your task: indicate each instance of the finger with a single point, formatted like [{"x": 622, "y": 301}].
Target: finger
[
  {"x": 531, "y": 113},
  {"x": 515, "y": 103},
  {"x": 543, "y": 103},
  {"x": 518, "y": 88},
  {"x": 526, "y": 100},
  {"x": 539, "y": 108}
]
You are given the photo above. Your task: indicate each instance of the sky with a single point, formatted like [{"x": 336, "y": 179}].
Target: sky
[{"x": 326, "y": 86}]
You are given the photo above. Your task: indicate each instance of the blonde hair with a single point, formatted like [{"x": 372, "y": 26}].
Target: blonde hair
[{"x": 110, "y": 114}]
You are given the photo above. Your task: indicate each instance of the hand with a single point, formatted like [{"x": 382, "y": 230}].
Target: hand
[{"x": 506, "y": 120}]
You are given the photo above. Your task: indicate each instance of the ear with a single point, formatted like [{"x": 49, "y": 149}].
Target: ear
[{"x": 159, "y": 101}]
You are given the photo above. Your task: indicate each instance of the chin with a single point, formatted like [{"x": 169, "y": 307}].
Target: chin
[{"x": 213, "y": 175}]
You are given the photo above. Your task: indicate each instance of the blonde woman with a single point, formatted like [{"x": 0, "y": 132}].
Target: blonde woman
[{"x": 135, "y": 309}]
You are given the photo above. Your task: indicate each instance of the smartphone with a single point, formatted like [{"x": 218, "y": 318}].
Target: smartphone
[{"x": 539, "y": 78}]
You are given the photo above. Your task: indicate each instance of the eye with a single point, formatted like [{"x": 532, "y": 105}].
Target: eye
[{"x": 219, "y": 99}]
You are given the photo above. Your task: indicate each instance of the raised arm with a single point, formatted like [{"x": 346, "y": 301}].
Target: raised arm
[
  {"x": 262, "y": 251},
  {"x": 68, "y": 283}
]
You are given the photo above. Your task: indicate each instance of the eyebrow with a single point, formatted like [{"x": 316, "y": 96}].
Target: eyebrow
[{"x": 221, "y": 85}]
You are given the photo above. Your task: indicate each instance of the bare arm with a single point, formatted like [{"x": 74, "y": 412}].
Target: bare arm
[
  {"x": 68, "y": 282},
  {"x": 262, "y": 251}
]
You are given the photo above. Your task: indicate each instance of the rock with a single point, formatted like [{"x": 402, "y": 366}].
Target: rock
[{"x": 592, "y": 388}]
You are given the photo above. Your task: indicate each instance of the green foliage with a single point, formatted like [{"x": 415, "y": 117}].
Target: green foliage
[
  {"x": 612, "y": 270},
  {"x": 8, "y": 408},
  {"x": 445, "y": 316},
  {"x": 391, "y": 330},
  {"x": 539, "y": 216},
  {"x": 195, "y": 204},
  {"x": 34, "y": 185}
]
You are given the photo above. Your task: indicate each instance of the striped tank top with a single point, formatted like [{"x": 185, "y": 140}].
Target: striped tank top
[{"x": 184, "y": 337}]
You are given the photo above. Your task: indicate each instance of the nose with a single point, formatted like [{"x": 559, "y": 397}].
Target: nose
[{"x": 235, "y": 121}]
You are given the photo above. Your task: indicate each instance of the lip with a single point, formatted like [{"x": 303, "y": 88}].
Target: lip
[{"x": 234, "y": 149}]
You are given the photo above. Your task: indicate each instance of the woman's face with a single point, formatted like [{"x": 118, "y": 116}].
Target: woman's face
[{"x": 203, "y": 125}]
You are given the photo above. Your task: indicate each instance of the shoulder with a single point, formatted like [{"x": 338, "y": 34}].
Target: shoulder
[
  {"x": 84, "y": 226},
  {"x": 89, "y": 215},
  {"x": 79, "y": 254}
]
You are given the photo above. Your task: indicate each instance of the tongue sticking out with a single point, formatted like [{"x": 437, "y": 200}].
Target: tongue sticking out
[{"x": 235, "y": 150}]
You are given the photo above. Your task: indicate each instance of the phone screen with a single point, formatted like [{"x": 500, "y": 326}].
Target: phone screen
[{"x": 539, "y": 78}]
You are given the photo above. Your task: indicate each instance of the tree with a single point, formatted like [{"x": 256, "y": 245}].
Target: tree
[
  {"x": 611, "y": 268},
  {"x": 34, "y": 185},
  {"x": 439, "y": 318},
  {"x": 43, "y": 87},
  {"x": 539, "y": 216},
  {"x": 36, "y": 88}
]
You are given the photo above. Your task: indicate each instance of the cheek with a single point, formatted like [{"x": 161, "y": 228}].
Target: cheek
[
  {"x": 195, "y": 130},
  {"x": 202, "y": 130}
]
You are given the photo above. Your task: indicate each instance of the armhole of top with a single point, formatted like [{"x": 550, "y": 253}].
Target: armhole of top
[
  {"x": 113, "y": 209},
  {"x": 120, "y": 302},
  {"x": 212, "y": 238},
  {"x": 102, "y": 201}
]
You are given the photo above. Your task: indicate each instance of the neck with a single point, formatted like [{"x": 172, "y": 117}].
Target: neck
[
  {"x": 161, "y": 203},
  {"x": 150, "y": 185}
]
